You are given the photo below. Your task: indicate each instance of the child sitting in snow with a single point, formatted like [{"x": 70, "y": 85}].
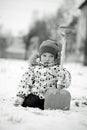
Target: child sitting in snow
[{"x": 42, "y": 77}]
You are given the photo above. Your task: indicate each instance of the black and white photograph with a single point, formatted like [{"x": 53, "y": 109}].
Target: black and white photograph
[{"x": 43, "y": 64}]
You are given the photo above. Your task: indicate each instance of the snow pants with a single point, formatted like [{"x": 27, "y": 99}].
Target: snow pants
[{"x": 33, "y": 101}]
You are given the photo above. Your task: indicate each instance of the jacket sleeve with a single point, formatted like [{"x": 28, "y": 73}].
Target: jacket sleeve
[
  {"x": 26, "y": 83},
  {"x": 64, "y": 78}
]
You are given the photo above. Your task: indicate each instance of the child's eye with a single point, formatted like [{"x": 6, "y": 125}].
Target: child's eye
[
  {"x": 44, "y": 55},
  {"x": 51, "y": 56}
]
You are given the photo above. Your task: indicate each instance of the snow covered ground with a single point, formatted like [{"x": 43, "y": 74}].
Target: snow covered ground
[{"x": 15, "y": 118}]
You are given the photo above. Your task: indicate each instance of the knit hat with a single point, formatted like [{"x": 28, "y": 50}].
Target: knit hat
[{"x": 49, "y": 46}]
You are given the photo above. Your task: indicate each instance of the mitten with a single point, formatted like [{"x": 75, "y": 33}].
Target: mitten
[{"x": 19, "y": 101}]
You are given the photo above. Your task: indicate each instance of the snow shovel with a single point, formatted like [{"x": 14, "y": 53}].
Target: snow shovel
[{"x": 62, "y": 98}]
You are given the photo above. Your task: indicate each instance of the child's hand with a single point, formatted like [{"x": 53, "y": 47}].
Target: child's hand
[
  {"x": 18, "y": 101},
  {"x": 59, "y": 87}
]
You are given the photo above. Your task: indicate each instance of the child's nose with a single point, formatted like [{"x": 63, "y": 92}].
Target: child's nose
[{"x": 47, "y": 58}]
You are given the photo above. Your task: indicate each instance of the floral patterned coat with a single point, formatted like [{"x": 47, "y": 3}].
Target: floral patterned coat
[{"x": 39, "y": 78}]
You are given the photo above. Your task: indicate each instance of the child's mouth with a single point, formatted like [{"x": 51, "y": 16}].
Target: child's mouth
[{"x": 46, "y": 63}]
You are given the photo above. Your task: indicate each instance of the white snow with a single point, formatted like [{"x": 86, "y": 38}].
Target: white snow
[{"x": 19, "y": 118}]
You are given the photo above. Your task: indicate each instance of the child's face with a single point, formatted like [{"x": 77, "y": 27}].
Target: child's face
[{"x": 47, "y": 58}]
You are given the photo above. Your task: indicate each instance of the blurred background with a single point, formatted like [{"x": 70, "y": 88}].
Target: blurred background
[{"x": 24, "y": 24}]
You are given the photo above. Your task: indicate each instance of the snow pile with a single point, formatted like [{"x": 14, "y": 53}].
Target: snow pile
[{"x": 15, "y": 118}]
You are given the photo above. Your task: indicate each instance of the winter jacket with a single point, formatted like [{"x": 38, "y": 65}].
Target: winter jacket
[{"x": 39, "y": 78}]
